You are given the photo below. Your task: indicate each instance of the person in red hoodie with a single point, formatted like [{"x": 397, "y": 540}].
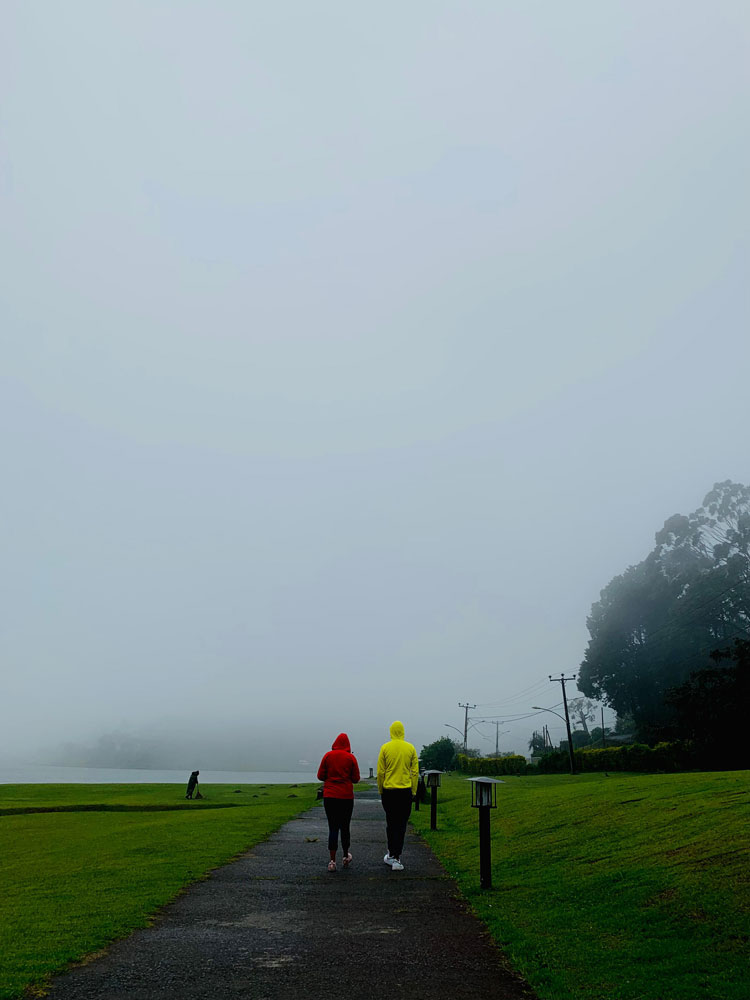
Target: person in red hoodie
[{"x": 339, "y": 771}]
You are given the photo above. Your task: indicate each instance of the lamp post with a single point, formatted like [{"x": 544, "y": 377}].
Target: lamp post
[
  {"x": 484, "y": 798},
  {"x": 566, "y": 720},
  {"x": 432, "y": 780}
]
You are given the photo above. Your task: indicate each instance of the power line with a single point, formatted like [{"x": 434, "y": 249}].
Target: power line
[
  {"x": 518, "y": 717},
  {"x": 514, "y": 697}
]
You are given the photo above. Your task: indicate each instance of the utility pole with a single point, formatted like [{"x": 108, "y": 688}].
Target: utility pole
[
  {"x": 497, "y": 737},
  {"x": 496, "y": 724},
  {"x": 467, "y": 706},
  {"x": 604, "y": 742},
  {"x": 561, "y": 681}
]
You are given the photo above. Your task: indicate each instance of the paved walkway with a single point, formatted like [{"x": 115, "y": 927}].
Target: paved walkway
[{"x": 276, "y": 924}]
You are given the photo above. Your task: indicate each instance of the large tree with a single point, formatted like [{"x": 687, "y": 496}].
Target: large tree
[
  {"x": 440, "y": 755},
  {"x": 659, "y": 620},
  {"x": 582, "y": 711},
  {"x": 710, "y": 707}
]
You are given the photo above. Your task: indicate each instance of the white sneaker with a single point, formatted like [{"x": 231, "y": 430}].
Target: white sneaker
[
  {"x": 396, "y": 865},
  {"x": 388, "y": 859}
]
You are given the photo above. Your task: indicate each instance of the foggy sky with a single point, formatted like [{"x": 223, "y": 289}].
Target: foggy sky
[{"x": 349, "y": 351}]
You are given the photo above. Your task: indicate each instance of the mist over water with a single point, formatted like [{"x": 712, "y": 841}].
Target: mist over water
[
  {"x": 176, "y": 746},
  {"x": 345, "y": 359},
  {"x": 35, "y": 775}
]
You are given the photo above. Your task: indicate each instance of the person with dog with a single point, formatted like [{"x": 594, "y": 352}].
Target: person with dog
[
  {"x": 398, "y": 775},
  {"x": 192, "y": 786},
  {"x": 339, "y": 772}
]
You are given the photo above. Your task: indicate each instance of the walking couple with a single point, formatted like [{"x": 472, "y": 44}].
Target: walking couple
[{"x": 398, "y": 774}]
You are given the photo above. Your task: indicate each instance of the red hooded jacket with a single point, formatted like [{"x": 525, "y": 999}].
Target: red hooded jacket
[{"x": 338, "y": 770}]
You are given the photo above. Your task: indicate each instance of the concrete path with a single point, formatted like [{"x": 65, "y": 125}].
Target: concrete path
[{"x": 276, "y": 924}]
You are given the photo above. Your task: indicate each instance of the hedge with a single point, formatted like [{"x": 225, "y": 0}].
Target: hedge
[
  {"x": 514, "y": 764},
  {"x": 680, "y": 756}
]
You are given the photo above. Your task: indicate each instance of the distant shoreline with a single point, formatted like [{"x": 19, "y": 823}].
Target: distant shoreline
[{"x": 54, "y": 774}]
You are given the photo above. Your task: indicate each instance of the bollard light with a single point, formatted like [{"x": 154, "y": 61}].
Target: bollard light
[
  {"x": 432, "y": 780},
  {"x": 484, "y": 798},
  {"x": 484, "y": 792}
]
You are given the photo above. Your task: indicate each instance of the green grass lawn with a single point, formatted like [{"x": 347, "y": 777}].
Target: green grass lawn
[
  {"x": 75, "y": 879},
  {"x": 628, "y": 887}
]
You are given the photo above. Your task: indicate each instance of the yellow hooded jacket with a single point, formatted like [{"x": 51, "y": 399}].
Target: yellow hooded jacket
[{"x": 398, "y": 765}]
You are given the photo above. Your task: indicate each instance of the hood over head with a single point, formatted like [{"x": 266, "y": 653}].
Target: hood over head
[
  {"x": 397, "y": 730},
  {"x": 341, "y": 743}
]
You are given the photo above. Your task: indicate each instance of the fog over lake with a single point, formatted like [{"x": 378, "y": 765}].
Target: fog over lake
[
  {"x": 57, "y": 774},
  {"x": 347, "y": 354}
]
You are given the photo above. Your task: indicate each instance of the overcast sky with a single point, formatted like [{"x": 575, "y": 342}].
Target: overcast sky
[{"x": 348, "y": 351}]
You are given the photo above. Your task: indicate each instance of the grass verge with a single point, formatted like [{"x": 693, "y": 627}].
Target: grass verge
[
  {"x": 83, "y": 865},
  {"x": 628, "y": 887}
]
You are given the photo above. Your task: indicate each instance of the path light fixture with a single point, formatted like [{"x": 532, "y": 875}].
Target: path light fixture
[
  {"x": 432, "y": 780},
  {"x": 484, "y": 798}
]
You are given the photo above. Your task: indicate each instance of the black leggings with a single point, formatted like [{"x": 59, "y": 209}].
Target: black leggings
[
  {"x": 397, "y": 805},
  {"x": 339, "y": 815}
]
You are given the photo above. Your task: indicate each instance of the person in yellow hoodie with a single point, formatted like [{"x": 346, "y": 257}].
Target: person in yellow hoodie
[{"x": 398, "y": 774}]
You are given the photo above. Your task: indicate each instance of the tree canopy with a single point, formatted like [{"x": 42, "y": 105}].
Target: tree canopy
[
  {"x": 440, "y": 755},
  {"x": 710, "y": 707},
  {"x": 659, "y": 620}
]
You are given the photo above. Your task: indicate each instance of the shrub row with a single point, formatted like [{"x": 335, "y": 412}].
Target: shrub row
[
  {"x": 515, "y": 764},
  {"x": 679, "y": 756}
]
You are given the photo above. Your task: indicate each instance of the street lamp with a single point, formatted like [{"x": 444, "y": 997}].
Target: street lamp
[
  {"x": 484, "y": 798},
  {"x": 432, "y": 780},
  {"x": 566, "y": 720}
]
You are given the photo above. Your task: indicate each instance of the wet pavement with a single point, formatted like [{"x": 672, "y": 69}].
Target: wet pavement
[{"x": 275, "y": 923}]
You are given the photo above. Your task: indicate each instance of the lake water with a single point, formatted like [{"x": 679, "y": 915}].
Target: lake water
[{"x": 46, "y": 774}]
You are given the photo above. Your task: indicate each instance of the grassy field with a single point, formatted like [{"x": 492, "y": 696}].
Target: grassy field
[
  {"x": 628, "y": 887},
  {"x": 82, "y": 865}
]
